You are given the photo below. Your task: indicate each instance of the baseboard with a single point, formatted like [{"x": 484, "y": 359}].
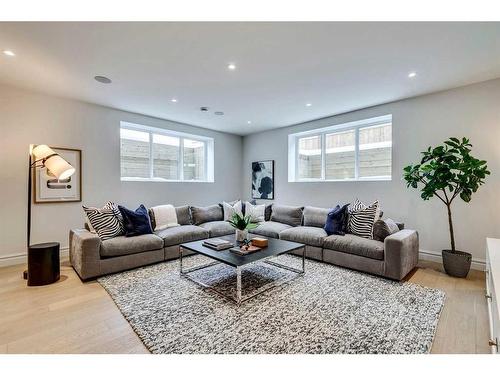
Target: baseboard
[
  {"x": 11, "y": 260},
  {"x": 477, "y": 264}
]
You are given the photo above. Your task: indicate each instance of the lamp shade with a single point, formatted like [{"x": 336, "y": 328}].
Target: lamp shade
[{"x": 53, "y": 162}]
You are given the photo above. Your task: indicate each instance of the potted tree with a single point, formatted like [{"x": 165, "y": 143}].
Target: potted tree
[
  {"x": 447, "y": 172},
  {"x": 242, "y": 224}
]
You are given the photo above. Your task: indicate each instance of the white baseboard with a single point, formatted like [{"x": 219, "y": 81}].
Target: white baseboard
[
  {"x": 11, "y": 260},
  {"x": 477, "y": 264}
]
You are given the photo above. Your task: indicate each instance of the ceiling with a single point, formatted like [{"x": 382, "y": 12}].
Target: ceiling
[{"x": 280, "y": 67}]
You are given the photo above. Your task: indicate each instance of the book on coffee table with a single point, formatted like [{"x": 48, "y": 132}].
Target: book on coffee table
[{"x": 217, "y": 244}]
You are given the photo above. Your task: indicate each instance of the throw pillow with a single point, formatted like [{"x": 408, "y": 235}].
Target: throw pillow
[
  {"x": 290, "y": 215},
  {"x": 202, "y": 215},
  {"x": 336, "y": 220},
  {"x": 136, "y": 222},
  {"x": 106, "y": 222},
  {"x": 358, "y": 205},
  {"x": 255, "y": 211},
  {"x": 231, "y": 209},
  {"x": 165, "y": 217},
  {"x": 362, "y": 218},
  {"x": 384, "y": 228}
]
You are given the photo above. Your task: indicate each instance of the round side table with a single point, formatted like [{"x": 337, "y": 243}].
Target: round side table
[{"x": 43, "y": 264}]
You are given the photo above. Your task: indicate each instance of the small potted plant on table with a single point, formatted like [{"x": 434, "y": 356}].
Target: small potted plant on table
[
  {"x": 242, "y": 224},
  {"x": 447, "y": 172}
]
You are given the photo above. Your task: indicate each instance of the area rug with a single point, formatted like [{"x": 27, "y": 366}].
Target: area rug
[{"x": 328, "y": 310}]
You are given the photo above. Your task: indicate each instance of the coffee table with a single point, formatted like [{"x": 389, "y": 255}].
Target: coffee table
[{"x": 275, "y": 248}]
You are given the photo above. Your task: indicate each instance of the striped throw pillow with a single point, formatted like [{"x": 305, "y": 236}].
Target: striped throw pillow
[
  {"x": 362, "y": 218},
  {"x": 107, "y": 221}
]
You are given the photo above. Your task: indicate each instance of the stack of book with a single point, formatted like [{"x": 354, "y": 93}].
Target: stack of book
[{"x": 217, "y": 244}]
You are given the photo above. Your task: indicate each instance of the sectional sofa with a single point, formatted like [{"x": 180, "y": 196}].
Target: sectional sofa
[{"x": 393, "y": 258}]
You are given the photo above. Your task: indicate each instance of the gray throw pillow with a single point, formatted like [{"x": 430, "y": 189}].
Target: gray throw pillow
[
  {"x": 202, "y": 215},
  {"x": 384, "y": 228},
  {"x": 183, "y": 215},
  {"x": 315, "y": 216},
  {"x": 290, "y": 215}
]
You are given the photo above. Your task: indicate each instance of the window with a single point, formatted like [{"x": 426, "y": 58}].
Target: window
[
  {"x": 360, "y": 150},
  {"x": 153, "y": 154}
]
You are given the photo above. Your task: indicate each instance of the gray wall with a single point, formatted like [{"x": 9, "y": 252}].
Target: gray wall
[
  {"x": 27, "y": 118},
  {"x": 472, "y": 111}
]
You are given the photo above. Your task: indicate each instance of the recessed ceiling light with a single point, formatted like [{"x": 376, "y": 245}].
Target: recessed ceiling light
[
  {"x": 412, "y": 75},
  {"x": 9, "y": 53},
  {"x": 308, "y": 104},
  {"x": 231, "y": 66},
  {"x": 219, "y": 113},
  {"x": 249, "y": 122},
  {"x": 102, "y": 79},
  {"x": 173, "y": 100}
]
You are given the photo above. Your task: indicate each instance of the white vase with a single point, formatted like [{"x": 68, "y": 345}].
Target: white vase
[{"x": 241, "y": 235}]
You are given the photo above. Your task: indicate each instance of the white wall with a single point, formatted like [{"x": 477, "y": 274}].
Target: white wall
[
  {"x": 472, "y": 111},
  {"x": 27, "y": 118}
]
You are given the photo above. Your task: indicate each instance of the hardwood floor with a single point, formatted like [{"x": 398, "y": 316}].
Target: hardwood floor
[{"x": 74, "y": 317}]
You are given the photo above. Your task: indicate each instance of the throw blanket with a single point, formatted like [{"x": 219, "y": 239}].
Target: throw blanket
[{"x": 165, "y": 216}]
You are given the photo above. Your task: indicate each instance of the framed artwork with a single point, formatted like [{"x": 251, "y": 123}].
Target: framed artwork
[
  {"x": 263, "y": 179},
  {"x": 48, "y": 189}
]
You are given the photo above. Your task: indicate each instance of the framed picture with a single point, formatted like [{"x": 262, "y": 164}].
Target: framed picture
[
  {"x": 48, "y": 189},
  {"x": 263, "y": 179}
]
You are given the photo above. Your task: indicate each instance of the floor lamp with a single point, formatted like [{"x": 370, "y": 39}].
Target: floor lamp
[{"x": 43, "y": 259}]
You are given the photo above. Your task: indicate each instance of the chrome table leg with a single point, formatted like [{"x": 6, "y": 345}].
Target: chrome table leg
[{"x": 238, "y": 285}]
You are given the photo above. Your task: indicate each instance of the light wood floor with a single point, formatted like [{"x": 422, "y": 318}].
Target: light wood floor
[{"x": 74, "y": 317}]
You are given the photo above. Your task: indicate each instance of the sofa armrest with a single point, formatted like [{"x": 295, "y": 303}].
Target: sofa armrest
[
  {"x": 400, "y": 253},
  {"x": 84, "y": 256}
]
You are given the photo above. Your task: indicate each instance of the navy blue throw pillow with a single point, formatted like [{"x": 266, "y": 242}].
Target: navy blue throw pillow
[
  {"x": 136, "y": 222},
  {"x": 336, "y": 220}
]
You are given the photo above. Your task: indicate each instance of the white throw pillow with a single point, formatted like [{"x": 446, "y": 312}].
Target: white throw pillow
[
  {"x": 256, "y": 212},
  {"x": 230, "y": 210},
  {"x": 165, "y": 217}
]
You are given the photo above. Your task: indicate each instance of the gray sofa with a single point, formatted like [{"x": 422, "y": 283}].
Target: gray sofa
[{"x": 393, "y": 258}]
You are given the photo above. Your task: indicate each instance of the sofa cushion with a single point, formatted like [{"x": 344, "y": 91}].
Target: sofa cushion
[
  {"x": 182, "y": 234},
  {"x": 130, "y": 245},
  {"x": 315, "y": 216},
  {"x": 218, "y": 228},
  {"x": 270, "y": 229},
  {"x": 183, "y": 215},
  {"x": 202, "y": 215},
  {"x": 289, "y": 215},
  {"x": 384, "y": 228},
  {"x": 311, "y": 236},
  {"x": 352, "y": 244}
]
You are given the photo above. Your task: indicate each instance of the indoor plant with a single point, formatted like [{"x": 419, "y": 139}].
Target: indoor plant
[
  {"x": 446, "y": 172},
  {"x": 242, "y": 224}
]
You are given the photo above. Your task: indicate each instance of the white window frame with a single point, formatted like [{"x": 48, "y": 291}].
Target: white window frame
[
  {"x": 293, "y": 149},
  {"x": 208, "y": 157}
]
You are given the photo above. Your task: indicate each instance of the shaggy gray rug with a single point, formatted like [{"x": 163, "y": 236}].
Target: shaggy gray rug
[{"x": 328, "y": 310}]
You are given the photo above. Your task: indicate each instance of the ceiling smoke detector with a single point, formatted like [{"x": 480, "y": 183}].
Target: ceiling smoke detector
[
  {"x": 102, "y": 79},
  {"x": 218, "y": 113}
]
